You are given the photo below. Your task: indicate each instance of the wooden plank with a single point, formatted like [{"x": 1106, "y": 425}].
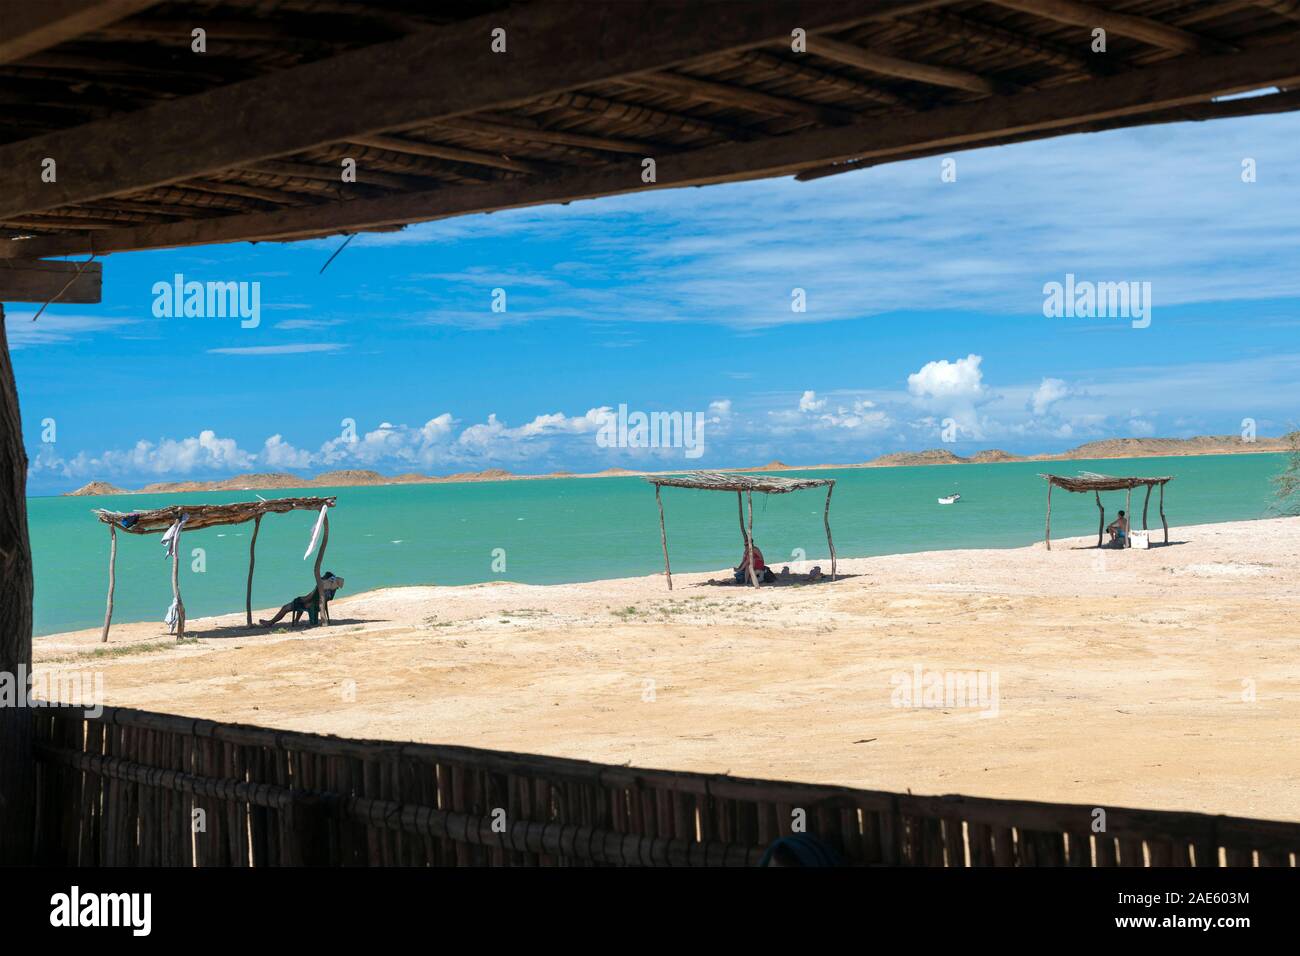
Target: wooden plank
[
  {"x": 1137, "y": 28},
  {"x": 30, "y": 27},
  {"x": 873, "y": 62},
  {"x": 552, "y": 46},
  {"x": 46, "y": 281},
  {"x": 1169, "y": 85},
  {"x": 457, "y": 154},
  {"x": 740, "y": 97}
]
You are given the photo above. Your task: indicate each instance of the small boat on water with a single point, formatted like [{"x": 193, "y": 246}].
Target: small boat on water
[{"x": 950, "y": 500}]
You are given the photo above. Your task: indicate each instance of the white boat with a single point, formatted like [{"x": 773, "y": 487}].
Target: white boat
[{"x": 950, "y": 500}]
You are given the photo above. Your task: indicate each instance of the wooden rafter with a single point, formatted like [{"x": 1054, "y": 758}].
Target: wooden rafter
[
  {"x": 1179, "y": 82},
  {"x": 30, "y": 26},
  {"x": 740, "y": 97},
  {"x": 457, "y": 154},
  {"x": 1144, "y": 29},
  {"x": 869, "y": 60}
]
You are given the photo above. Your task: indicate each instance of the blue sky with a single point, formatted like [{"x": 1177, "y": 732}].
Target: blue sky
[{"x": 924, "y": 303}]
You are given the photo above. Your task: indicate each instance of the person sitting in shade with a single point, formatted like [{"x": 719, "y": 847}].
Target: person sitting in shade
[
  {"x": 308, "y": 603},
  {"x": 1118, "y": 531},
  {"x": 761, "y": 571}
]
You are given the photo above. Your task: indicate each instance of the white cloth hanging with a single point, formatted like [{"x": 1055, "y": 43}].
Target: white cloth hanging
[
  {"x": 315, "y": 532},
  {"x": 172, "y": 535},
  {"x": 171, "y": 617}
]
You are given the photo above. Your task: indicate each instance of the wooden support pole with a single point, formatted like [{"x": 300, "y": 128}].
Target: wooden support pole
[
  {"x": 826, "y": 518},
  {"x": 1162, "y": 512},
  {"x": 663, "y": 537},
  {"x": 1101, "y": 518},
  {"x": 753, "y": 577},
  {"x": 17, "y": 767},
  {"x": 176, "y": 585},
  {"x": 252, "y": 560},
  {"x": 1128, "y": 518},
  {"x": 322, "y": 612},
  {"x": 1049, "y": 515},
  {"x": 112, "y": 564},
  {"x": 1146, "y": 504}
]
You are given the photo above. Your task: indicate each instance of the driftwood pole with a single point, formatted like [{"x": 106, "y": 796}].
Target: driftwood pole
[
  {"x": 112, "y": 563},
  {"x": 321, "y": 610},
  {"x": 826, "y": 518},
  {"x": 663, "y": 537},
  {"x": 1162, "y": 512},
  {"x": 1146, "y": 504},
  {"x": 1049, "y": 514},
  {"x": 753, "y": 576},
  {"x": 1128, "y": 518},
  {"x": 1101, "y": 518},
  {"x": 17, "y": 770},
  {"x": 252, "y": 560},
  {"x": 176, "y": 585}
]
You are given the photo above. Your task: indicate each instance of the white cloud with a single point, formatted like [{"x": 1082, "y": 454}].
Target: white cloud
[{"x": 1050, "y": 391}]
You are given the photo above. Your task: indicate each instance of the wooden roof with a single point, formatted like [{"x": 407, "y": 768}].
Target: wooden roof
[
  {"x": 208, "y": 516},
  {"x": 158, "y": 146},
  {"x": 1091, "y": 481},
  {"x": 714, "y": 481}
]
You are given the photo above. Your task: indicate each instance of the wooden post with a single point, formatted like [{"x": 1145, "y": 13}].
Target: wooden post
[
  {"x": 753, "y": 576},
  {"x": 1101, "y": 518},
  {"x": 112, "y": 563},
  {"x": 252, "y": 560},
  {"x": 1128, "y": 518},
  {"x": 826, "y": 518},
  {"x": 1162, "y": 512},
  {"x": 1145, "y": 505},
  {"x": 1049, "y": 514},
  {"x": 663, "y": 537},
  {"x": 321, "y": 611},
  {"x": 17, "y": 769},
  {"x": 176, "y": 585}
]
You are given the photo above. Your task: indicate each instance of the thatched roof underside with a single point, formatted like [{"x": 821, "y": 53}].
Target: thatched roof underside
[
  {"x": 1090, "y": 481},
  {"x": 714, "y": 481},
  {"x": 209, "y": 516},
  {"x": 158, "y": 146}
]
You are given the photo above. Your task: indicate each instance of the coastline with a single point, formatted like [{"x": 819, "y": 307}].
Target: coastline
[
  {"x": 1106, "y": 450},
  {"x": 1120, "y": 672}
]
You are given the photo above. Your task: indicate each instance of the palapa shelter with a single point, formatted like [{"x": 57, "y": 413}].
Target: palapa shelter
[
  {"x": 744, "y": 486},
  {"x": 176, "y": 519},
  {"x": 1088, "y": 481}
]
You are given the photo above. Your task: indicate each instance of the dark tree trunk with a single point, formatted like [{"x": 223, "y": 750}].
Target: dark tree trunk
[{"x": 16, "y": 773}]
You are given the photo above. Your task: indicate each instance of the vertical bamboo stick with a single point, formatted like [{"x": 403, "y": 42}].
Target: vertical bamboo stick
[
  {"x": 1049, "y": 514},
  {"x": 826, "y": 519},
  {"x": 1128, "y": 518},
  {"x": 176, "y": 585},
  {"x": 663, "y": 537},
  {"x": 753, "y": 577},
  {"x": 252, "y": 560},
  {"x": 321, "y": 611},
  {"x": 1101, "y": 518},
  {"x": 1146, "y": 504},
  {"x": 112, "y": 564},
  {"x": 1162, "y": 512}
]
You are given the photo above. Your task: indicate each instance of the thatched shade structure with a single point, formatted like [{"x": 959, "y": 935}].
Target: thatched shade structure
[
  {"x": 1090, "y": 481},
  {"x": 198, "y": 517},
  {"x": 744, "y": 486}
]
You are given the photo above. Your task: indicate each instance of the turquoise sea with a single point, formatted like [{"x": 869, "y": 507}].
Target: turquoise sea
[{"x": 580, "y": 529}]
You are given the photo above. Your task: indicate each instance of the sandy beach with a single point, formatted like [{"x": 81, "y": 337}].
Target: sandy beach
[{"x": 1167, "y": 678}]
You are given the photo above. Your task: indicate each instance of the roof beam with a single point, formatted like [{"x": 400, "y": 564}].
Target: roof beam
[
  {"x": 1175, "y": 83},
  {"x": 458, "y": 154},
  {"x": 39, "y": 280},
  {"x": 523, "y": 132},
  {"x": 740, "y": 97},
  {"x": 1124, "y": 24},
  {"x": 851, "y": 55},
  {"x": 30, "y": 26},
  {"x": 553, "y": 46}
]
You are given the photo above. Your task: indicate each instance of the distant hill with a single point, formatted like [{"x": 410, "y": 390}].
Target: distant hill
[
  {"x": 1108, "y": 448},
  {"x": 98, "y": 488}
]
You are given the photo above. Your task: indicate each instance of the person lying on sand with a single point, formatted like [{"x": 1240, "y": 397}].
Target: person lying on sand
[
  {"x": 1118, "y": 531},
  {"x": 307, "y": 603}
]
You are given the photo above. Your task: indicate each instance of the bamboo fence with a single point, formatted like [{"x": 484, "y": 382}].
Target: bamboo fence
[{"x": 137, "y": 788}]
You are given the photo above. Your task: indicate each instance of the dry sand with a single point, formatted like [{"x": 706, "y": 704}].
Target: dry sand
[{"x": 1122, "y": 676}]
